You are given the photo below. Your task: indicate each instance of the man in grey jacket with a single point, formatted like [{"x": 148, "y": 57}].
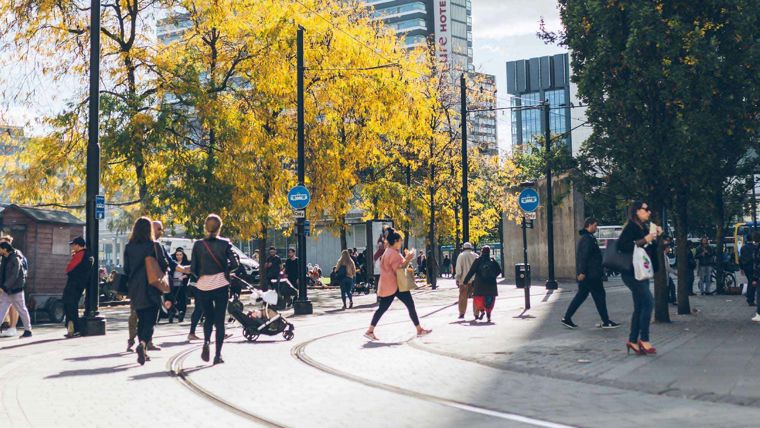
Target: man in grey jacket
[
  {"x": 464, "y": 263},
  {"x": 12, "y": 280}
]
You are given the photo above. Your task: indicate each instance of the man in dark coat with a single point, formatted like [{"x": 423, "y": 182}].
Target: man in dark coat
[
  {"x": 77, "y": 272},
  {"x": 589, "y": 271},
  {"x": 13, "y": 272},
  {"x": 486, "y": 271}
]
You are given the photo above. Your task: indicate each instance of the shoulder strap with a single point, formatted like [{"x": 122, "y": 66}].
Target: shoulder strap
[{"x": 211, "y": 253}]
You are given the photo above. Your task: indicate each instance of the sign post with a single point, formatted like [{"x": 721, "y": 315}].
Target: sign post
[
  {"x": 299, "y": 198},
  {"x": 528, "y": 201}
]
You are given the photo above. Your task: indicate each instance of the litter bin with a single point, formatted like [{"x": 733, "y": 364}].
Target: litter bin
[{"x": 522, "y": 275}]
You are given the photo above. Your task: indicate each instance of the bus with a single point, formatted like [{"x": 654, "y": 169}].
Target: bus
[
  {"x": 607, "y": 233},
  {"x": 742, "y": 232}
]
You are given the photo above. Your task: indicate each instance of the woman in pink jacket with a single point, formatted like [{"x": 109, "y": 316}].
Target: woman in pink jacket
[{"x": 388, "y": 288}]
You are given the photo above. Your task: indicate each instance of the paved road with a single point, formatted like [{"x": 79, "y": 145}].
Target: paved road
[{"x": 514, "y": 372}]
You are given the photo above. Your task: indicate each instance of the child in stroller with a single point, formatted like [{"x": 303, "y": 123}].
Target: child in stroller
[{"x": 266, "y": 320}]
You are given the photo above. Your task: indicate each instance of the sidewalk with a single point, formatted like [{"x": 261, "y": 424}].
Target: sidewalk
[{"x": 707, "y": 356}]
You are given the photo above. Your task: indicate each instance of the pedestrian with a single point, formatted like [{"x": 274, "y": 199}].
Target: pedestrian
[
  {"x": 77, "y": 275},
  {"x": 636, "y": 233},
  {"x": 381, "y": 247},
  {"x": 446, "y": 267},
  {"x": 705, "y": 262},
  {"x": 13, "y": 273},
  {"x": 273, "y": 267},
  {"x": 345, "y": 272},
  {"x": 255, "y": 256},
  {"x": 145, "y": 299},
  {"x": 291, "y": 271},
  {"x": 422, "y": 263},
  {"x": 11, "y": 320},
  {"x": 387, "y": 290},
  {"x": 756, "y": 278},
  {"x": 589, "y": 274},
  {"x": 179, "y": 279},
  {"x": 746, "y": 264},
  {"x": 485, "y": 270},
  {"x": 691, "y": 263},
  {"x": 464, "y": 262},
  {"x": 212, "y": 262}
]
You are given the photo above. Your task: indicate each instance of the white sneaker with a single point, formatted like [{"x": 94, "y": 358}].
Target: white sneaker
[
  {"x": 11, "y": 332},
  {"x": 756, "y": 318}
]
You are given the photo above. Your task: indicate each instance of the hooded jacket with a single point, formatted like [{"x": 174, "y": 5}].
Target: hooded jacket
[
  {"x": 588, "y": 257},
  {"x": 12, "y": 275}
]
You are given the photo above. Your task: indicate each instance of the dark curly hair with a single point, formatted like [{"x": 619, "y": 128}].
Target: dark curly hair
[{"x": 393, "y": 236}]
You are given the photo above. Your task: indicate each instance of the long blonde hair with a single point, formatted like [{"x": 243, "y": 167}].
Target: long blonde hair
[{"x": 346, "y": 260}]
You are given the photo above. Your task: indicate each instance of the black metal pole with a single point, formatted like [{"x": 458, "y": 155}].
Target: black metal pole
[
  {"x": 302, "y": 306},
  {"x": 551, "y": 283},
  {"x": 525, "y": 260},
  {"x": 93, "y": 325},
  {"x": 465, "y": 164},
  {"x": 754, "y": 204}
]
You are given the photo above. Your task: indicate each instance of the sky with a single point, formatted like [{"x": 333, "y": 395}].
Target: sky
[{"x": 505, "y": 30}]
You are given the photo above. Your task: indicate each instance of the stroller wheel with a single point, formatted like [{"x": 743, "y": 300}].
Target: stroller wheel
[
  {"x": 288, "y": 334},
  {"x": 250, "y": 335}
]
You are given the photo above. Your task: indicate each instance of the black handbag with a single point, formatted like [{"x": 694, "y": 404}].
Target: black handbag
[{"x": 615, "y": 260}]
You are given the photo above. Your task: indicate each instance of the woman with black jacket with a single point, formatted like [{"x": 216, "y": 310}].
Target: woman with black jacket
[
  {"x": 486, "y": 270},
  {"x": 636, "y": 233},
  {"x": 179, "y": 281},
  {"x": 144, "y": 298},
  {"x": 212, "y": 262}
]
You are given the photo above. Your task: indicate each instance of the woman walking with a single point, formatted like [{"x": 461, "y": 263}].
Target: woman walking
[
  {"x": 446, "y": 267},
  {"x": 145, "y": 299},
  {"x": 345, "y": 272},
  {"x": 179, "y": 281},
  {"x": 636, "y": 233},
  {"x": 212, "y": 261},
  {"x": 390, "y": 261},
  {"x": 486, "y": 270}
]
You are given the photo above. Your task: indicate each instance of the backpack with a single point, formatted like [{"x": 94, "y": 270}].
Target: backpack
[{"x": 487, "y": 271}]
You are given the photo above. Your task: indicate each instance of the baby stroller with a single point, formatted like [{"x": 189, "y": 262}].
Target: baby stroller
[{"x": 266, "y": 321}]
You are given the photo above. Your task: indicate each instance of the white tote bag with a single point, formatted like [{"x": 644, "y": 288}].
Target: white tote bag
[{"x": 642, "y": 265}]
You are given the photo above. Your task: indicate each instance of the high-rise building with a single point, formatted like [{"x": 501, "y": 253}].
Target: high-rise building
[
  {"x": 482, "y": 124},
  {"x": 529, "y": 82},
  {"x": 448, "y": 23}
]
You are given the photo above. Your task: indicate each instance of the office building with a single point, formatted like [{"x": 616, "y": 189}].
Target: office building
[
  {"x": 481, "y": 132},
  {"x": 531, "y": 81}
]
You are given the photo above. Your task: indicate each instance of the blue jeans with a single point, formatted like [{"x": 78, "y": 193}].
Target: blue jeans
[
  {"x": 643, "y": 303},
  {"x": 346, "y": 289}
]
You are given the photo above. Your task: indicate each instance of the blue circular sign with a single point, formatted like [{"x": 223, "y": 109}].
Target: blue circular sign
[
  {"x": 299, "y": 197},
  {"x": 528, "y": 200}
]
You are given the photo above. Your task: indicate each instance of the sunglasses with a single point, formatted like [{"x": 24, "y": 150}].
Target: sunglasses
[{"x": 646, "y": 209}]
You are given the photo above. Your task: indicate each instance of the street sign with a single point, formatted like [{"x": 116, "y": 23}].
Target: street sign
[
  {"x": 307, "y": 228},
  {"x": 299, "y": 213},
  {"x": 529, "y": 224},
  {"x": 528, "y": 200},
  {"x": 299, "y": 197},
  {"x": 530, "y": 216},
  {"x": 100, "y": 207}
]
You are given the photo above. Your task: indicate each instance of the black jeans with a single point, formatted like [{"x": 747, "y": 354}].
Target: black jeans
[
  {"x": 180, "y": 299},
  {"x": 146, "y": 320},
  {"x": 385, "y": 303},
  {"x": 214, "y": 305},
  {"x": 750, "y": 287},
  {"x": 596, "y": 289},
  {"x": 642, "y": 307},
  {"x": 671, "y": 290},
  {"x": 71, "y": 296}
]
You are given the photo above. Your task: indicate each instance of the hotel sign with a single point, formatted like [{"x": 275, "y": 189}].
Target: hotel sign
[{"x": 443, "y": 40}]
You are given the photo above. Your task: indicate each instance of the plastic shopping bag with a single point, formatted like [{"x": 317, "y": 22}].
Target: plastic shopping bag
[{"x": 642, "y": 265}]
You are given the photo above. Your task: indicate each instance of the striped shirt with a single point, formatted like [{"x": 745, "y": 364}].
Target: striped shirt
[{"x": 212, "y": 282}]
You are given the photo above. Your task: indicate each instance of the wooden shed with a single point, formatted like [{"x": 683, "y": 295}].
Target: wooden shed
[{"x": 43, "y": 236}]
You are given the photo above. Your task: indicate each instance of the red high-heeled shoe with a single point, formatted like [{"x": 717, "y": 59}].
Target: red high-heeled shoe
[
  {"x": 630, "y": 346},
  {"x": 651, "y": 350}
]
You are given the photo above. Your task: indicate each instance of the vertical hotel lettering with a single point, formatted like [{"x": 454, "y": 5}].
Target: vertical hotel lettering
[{"x": 442, "y": 33}]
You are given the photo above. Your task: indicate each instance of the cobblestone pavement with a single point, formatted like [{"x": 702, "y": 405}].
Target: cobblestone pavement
[{"x": 513, "y": 372}]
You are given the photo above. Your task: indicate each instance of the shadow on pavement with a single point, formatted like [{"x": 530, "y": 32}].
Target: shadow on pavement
[
  {"x": 374, "y": 345},
  {"x": 98, "y": 357},
  {"x": 39, "y": 342},
  {"x": 92, "y": 372}
]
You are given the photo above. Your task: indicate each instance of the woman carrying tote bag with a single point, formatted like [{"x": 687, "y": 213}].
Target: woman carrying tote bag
[
  {"x": 388, "y": 289},
  {"x": 636, "y": 234}
]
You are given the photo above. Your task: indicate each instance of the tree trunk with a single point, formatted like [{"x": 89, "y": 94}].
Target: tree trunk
[
  {"x": 408, "y": 206},
  {"x": 343, "y": 240},
  {"x": 432, "y": 277},
  {"x": 263, "y": 254},
  {"x": 457, "y": 238},
  {"x": 720, "y": 214},
  {"x": 682, "y": 249},
  {"x": 661, "y": 310}
]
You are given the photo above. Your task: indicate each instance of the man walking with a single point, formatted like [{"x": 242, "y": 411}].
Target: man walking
[
  {"x": 12, "y": 318},
  {"x": 77, "y": 272},
  {"x": 463, "y": 265},
  {"x": 588, "y": 268},
  {"x": 705, "y": 259},
  {"x": 273, "y": 267},
  {"x": 746, "y": 261},
  {"x": 13, "y": 273}
]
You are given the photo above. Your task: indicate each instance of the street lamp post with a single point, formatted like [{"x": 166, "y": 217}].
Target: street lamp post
[
  {"x": 551, "y": 283},
  {"x": 302, "y": 306},
  {"x": 465, "y": 165},
  {"x": 93, "y": 325}
]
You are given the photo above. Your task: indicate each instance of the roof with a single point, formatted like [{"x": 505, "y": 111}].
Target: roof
[{"x": 47, "y": 216}]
